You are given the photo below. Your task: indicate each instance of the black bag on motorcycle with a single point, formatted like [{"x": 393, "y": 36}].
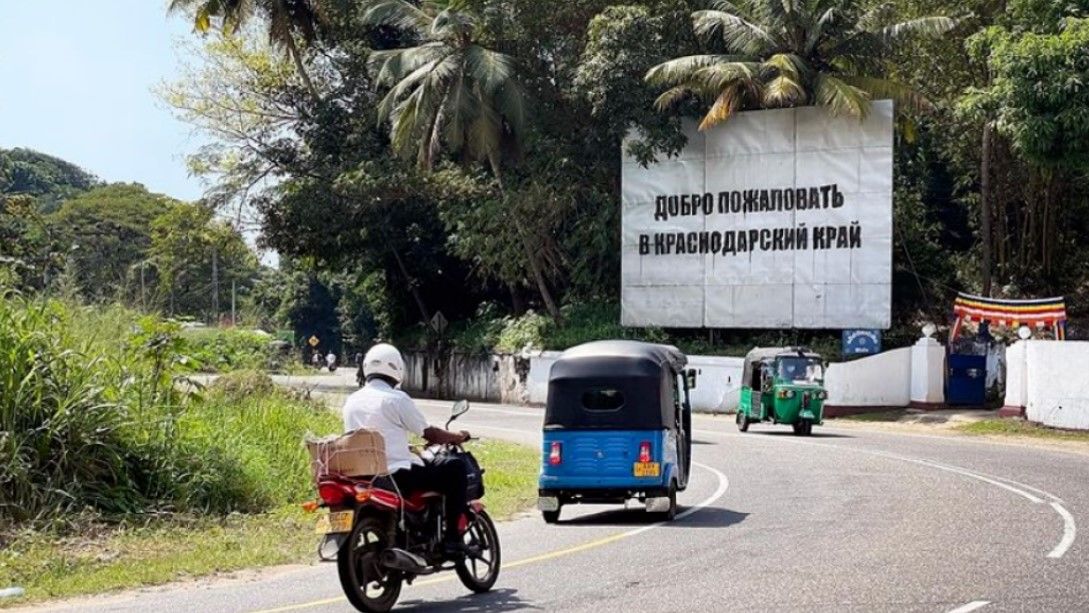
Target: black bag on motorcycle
[{"x": 474, "y": 476}]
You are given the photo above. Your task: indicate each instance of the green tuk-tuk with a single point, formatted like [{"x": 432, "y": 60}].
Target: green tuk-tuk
[{"x": 783, "y": 385}]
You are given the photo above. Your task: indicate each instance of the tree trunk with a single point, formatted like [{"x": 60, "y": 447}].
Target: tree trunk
[
  {"x": 293, "y": 51},
  {"x": 985, "y": 197},
  {"x": 411, "y": 283},
  {"x": 531, "y": 256},
  {"x": 517, "y": 301}
]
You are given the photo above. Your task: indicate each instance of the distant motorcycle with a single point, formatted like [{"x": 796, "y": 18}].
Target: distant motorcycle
[{"x": 381, "y": 538}]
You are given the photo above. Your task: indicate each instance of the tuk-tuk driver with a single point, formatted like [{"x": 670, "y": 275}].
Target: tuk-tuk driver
[{"x": 380, "y": 406}]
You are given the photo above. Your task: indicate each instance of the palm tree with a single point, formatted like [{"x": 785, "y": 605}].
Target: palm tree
[
  {"x": 449, "y": 90},
  {"x": 783, "y": 53},
  {"x": 286, "y": 20}
]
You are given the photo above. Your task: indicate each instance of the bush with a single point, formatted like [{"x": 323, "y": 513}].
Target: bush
[
  {"x": 243, "y": 384},
  {"x": 228, "y": 349},
  {"x": 90, "y": 418}
]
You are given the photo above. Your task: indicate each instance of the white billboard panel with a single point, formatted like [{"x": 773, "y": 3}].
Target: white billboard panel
[{"x": 779, "y": 218}]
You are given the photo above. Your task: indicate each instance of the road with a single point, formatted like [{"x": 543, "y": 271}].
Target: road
[{"x": 846, "y": 520}]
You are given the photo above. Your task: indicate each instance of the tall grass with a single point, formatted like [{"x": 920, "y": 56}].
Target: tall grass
[{"x": 90, "y": 419}]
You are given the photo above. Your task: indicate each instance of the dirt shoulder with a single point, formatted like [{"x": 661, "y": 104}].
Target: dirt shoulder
[{"x": 978, "y": 425}]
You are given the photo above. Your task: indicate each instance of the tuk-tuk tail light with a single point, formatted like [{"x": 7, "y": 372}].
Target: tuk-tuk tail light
[
  {"x": 823, "y": 395},
  {"x": 555, "y": 454},
  {"x": 644, "y": 451},
  {"x": 786, "y": 394}
]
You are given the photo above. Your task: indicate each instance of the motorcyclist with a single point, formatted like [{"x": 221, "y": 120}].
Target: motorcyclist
[{"x": 380, "y": 406}]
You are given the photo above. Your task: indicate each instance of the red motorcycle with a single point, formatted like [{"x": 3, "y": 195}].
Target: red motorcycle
[{"x": 382, "y": 538}]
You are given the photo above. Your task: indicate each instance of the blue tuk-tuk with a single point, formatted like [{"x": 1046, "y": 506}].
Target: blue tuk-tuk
[{"x": 617, "y": 426}]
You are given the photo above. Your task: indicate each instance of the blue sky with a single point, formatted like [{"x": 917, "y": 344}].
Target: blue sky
[{"x": 75, "y": 82}]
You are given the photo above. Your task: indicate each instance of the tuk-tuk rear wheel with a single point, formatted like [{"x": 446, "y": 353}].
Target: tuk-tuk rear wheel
[
  {"x": 742, "y": 421},
  {"x": 803, "y": 428},
  {"x": 672, "y": 512},
  {"x": 551, "y": 517}
]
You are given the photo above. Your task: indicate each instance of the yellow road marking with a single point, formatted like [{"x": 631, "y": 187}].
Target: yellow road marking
[{"x": 722, "y": 487}]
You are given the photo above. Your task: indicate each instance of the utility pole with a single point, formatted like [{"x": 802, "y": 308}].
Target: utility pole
[
  {"x": 234, "y": 296},
  {"x": 215, "y": 286}
]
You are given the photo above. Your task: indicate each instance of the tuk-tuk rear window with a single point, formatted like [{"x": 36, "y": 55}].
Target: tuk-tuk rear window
[{"x": 602, "y": 400}]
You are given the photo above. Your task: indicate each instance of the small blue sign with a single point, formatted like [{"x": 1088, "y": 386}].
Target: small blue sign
[{"x": 861, "y": 342}]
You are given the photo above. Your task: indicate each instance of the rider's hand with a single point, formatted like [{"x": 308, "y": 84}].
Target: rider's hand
[{"x": 465, "y": 435}]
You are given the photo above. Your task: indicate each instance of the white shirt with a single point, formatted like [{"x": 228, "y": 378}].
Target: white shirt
[{"x": 377, "y": 406}]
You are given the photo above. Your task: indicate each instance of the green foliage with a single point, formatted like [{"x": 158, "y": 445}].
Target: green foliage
[
  {"x": 623, "y": 43},
  {"x": 449, "y": 91},
  {"x": 1040, "y": 91},
  {"x": 90, "y": 418},
  {"x": 770, "y": 54},
  {"x": 43, "y": 177},
  {"x": 105, "y": 234},
  {"x": 230, "y": 349},
  {"x": 188, "y": 245},
  {"x": 240, "y": 384}
]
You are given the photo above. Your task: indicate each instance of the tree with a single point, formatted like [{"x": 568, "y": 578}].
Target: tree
[
  {"x": 106, "y": 233},
  {"x": 450, "y": 90},
  {"x": 1034, "y": 103},
  {"x": 776, "y": 53},
  {"x": 46, "y": 178},
  {"x": 285, "y": 19},
  {"x": 198, "y": 257}
]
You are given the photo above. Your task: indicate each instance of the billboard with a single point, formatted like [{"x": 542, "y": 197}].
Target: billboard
[{"x": 779, "y": 218}]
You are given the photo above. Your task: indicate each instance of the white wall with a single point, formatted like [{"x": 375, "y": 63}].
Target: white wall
[
  {"x": 1056, "y": 385},
  {"x": 717, "y": 383},
  {"x": 1016, "y": 373},
  {"x": 882, "y": 380},
  {"x": 537, "y": 381}
]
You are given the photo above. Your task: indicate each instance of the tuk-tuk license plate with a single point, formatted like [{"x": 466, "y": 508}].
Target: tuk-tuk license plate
[
  {"x": 646, "y": 469},
  {"x": 334, "y": 522}
]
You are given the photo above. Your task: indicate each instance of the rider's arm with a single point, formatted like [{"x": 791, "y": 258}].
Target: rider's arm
[
  {"x": 438, "y": 436},
  {"x": 413, "y": 420}
]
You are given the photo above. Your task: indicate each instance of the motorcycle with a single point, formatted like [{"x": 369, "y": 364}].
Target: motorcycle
[{"x": 381, "y": 538}]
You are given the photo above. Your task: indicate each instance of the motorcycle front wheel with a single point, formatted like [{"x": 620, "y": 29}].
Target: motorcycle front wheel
[
  {"x": 369, "y": 587},
  {"x": 479, "y": 569}
]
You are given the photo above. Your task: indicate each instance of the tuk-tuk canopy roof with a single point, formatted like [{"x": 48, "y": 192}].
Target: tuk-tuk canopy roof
[
  {"x": 642, "y": 374},
  {"x": 631, "y": 358},
  {"x": 759, "y": 354}
]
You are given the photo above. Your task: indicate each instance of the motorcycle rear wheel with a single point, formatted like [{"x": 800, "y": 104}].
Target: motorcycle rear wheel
[
  {"x": 369, "y": 587},
  {"x": 479, "y": 570}
]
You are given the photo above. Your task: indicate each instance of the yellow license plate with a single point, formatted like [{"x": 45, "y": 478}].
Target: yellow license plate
[
  {"x": 646, "y": 469},
  {"x": 334, "y": 522}
]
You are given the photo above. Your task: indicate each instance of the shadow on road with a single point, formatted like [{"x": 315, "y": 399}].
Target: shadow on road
[
  {"x": 495, "y": 600},
  {"x": 699, "y": 442},
  {"x": 709, "y": 517},
  {"x": 788, "y": 432}
]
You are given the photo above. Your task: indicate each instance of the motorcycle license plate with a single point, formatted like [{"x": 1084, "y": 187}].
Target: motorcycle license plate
[
  {"x": 646, "y": 469},
  {"x": 334, "y": 522}
]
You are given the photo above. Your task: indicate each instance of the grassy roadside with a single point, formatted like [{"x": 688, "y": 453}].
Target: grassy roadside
[
  {"x": 114, "y": 558},
  {"x": 1019, "y": 428}
]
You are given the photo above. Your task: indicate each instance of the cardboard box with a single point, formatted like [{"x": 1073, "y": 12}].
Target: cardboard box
[{"x": 358, "y": 453}]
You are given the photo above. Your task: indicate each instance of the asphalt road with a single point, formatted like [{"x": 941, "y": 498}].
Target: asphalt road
[{"x": 847, "y": 520}]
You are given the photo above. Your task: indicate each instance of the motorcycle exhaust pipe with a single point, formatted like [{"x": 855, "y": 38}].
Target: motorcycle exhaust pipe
[{"x": 399, "y": 559}]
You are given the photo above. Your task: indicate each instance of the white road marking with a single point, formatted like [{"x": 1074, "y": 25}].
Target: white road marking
[
  {"x": 1069, "y": 526},
  {"x": 971, "y": 606},
  {"x": 1070, "y": 531}
]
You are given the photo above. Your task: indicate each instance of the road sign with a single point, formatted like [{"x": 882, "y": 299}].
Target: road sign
[
  {"x": 861, "y": 342},
  {"x": 438, "y": 322},
  {"x": 313, "y": 341}
]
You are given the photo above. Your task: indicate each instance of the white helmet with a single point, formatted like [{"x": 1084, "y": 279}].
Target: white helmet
[{"x": 384, "y": 359}]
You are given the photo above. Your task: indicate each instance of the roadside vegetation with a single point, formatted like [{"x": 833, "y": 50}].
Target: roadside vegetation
[
  {"x": 1020, "y": 428},
  {"x": 113, "y": 477},
  {"x": 101, "y": 556}
]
